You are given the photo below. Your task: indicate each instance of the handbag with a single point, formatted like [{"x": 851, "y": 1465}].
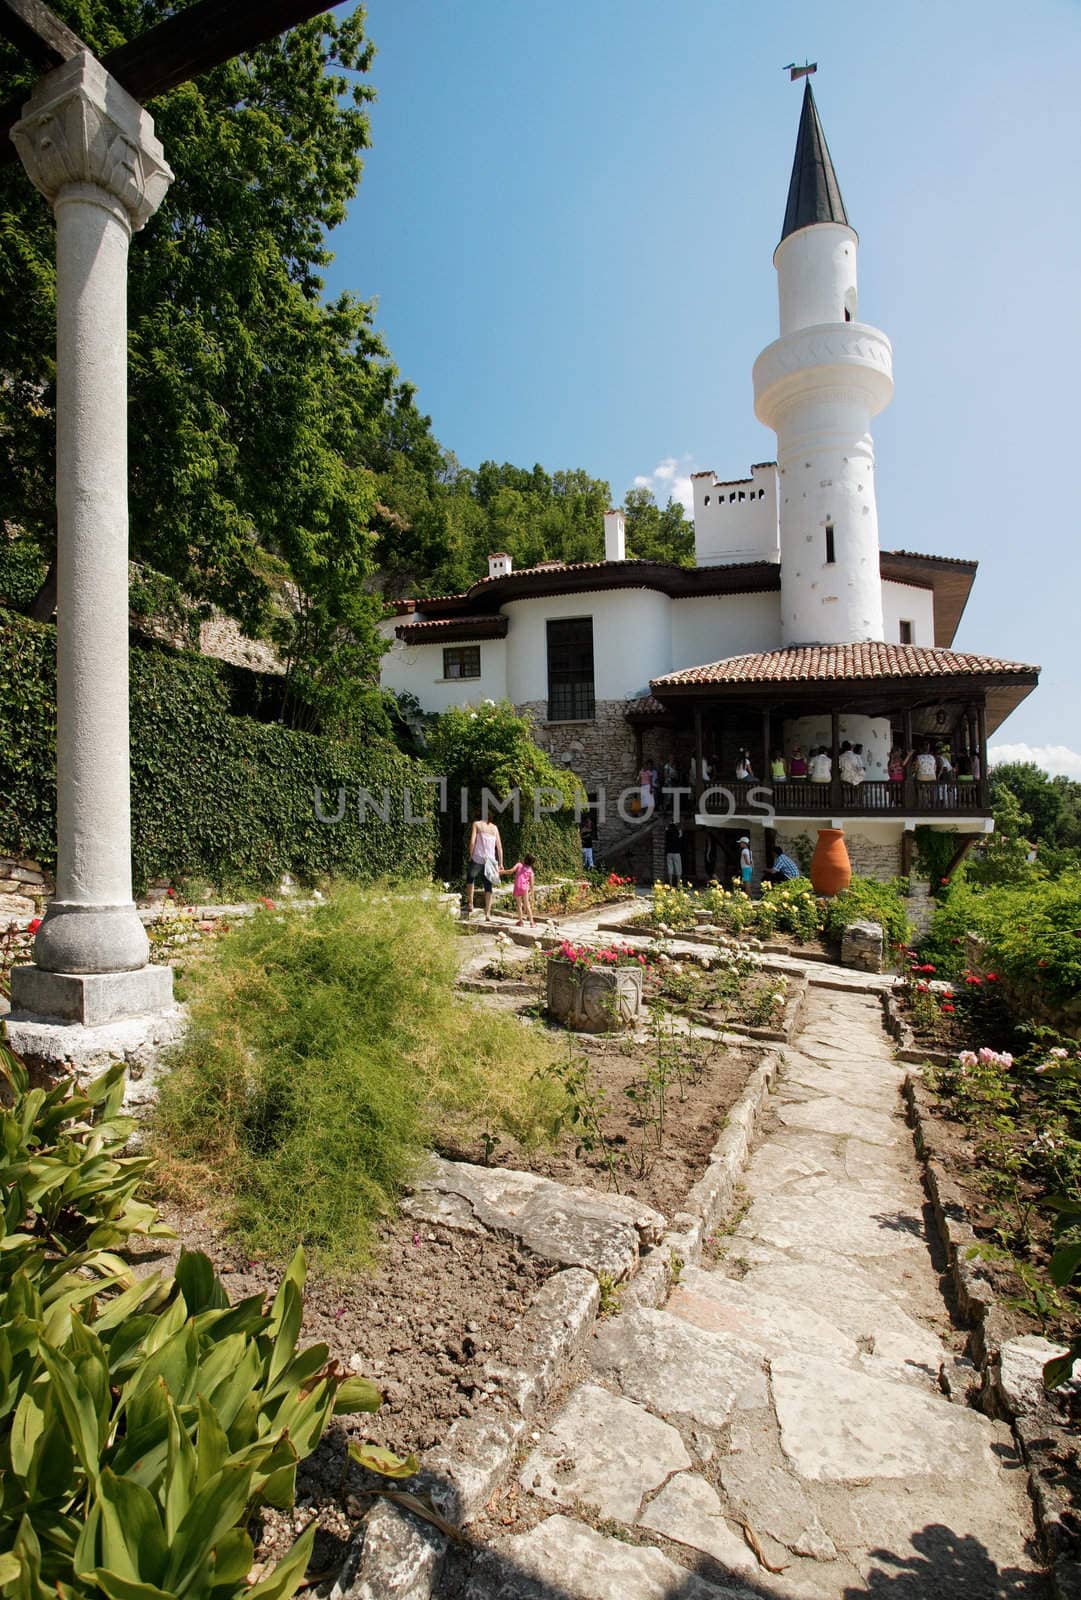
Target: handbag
[{"x": 491, "y": 874}]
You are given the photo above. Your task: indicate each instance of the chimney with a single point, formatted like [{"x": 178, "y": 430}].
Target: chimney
[
  {"x": 499, "y": 564},
  {"x": 615, "y": 536}
]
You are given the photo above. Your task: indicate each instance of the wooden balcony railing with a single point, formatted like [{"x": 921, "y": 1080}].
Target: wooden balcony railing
[{"x": 797, "y": 797}]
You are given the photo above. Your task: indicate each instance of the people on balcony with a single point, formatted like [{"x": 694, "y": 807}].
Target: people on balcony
[
  {"x": 744, "y": 770},
  {"x": 797, "y": 763},
  {"x": 778, "y": 767},
  {"x": 821, "y": 765},
  {"x": 850, "y": 764}
]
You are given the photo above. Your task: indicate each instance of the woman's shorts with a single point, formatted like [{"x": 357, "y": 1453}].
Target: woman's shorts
[{"x": 474, "y": 873}]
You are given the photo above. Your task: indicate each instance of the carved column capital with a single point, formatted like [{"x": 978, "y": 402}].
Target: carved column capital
[{"x": 80, "y": 127}]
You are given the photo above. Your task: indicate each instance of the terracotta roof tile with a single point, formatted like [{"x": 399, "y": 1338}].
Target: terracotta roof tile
[
  {"x": 453, "y": 627},
  {"x": 834, "y": 662}
]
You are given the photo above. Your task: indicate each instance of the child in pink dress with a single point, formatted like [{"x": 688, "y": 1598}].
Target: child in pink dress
[{"x": 523, "y": 887}]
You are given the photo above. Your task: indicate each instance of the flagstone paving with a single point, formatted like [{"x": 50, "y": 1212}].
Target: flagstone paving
[{"x": 782, "y": 1427}]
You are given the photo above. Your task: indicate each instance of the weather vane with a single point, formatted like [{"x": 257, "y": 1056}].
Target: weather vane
[{"x": 800, "y": 72}]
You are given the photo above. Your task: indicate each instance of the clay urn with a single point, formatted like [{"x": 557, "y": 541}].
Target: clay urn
[{"x": 831, "y": 870}]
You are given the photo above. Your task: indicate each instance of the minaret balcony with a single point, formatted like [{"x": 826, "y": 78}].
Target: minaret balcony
[{"x": 829, "y": 360}]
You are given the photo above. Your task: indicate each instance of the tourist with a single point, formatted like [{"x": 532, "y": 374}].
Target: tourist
[
  {"x": 646, "y": 776},
  {"x": 850, "y": 765},
  {"x": 585, "y": 830},
  {"x": 821, "y": 765},
  {"x": 746, "y": 864},
  {"x": 744, "y": 770},
  {"x": 896, "y": 766},
  {"x": 783, "y": 868},
  {"x": 673, "y": 855},
  {"x": 946, "y": 775},
  {"x": 861, "y": 763},
  {"x": 778, "y": 767},
  {"x": 522, "y": 888},
  {"x": 926, "y": 764},
  {"x": 485, "y": 862},
  {"x": 695, "y": 770},
  {"x": 797, "y": 763}
]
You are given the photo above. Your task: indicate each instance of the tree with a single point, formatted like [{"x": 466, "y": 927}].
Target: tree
[
  {"x": 1036, "y": 795},
  {"x": 260, "y": 418},
  {"x": 656, "y": 535}
]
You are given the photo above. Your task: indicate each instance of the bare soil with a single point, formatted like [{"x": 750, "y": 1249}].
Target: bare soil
[
  {"x": 437, "y": 1307},
  {"x": 654, "y": 1166}
]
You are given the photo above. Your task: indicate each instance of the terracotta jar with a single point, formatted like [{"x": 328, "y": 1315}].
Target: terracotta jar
[{"x": 831, "y": 870}]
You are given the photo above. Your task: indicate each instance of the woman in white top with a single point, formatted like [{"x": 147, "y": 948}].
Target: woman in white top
[
  {"x": 485, "y": 862},
  {"x": 820, "y": 766},
  {"x": 744, "y": 770},
  {"x": 926, "y": 765}
]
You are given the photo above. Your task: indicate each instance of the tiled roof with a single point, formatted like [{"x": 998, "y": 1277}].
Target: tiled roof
[
  {"x": 833, "y": 662},
  {"x": 920, "y": 555},
  {"x": 453, "y": 628},
  {"x": 644, "y": 705}
]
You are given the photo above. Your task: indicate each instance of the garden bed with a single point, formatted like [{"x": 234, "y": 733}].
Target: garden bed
[
  {"x": 623, "y": 1142},
  {"x": 438, "y": 1307}
]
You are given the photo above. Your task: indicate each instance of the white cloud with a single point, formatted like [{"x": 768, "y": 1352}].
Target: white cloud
[
  {"x": 1053, "y": 758},
  {"x": 670, "y": 479}
]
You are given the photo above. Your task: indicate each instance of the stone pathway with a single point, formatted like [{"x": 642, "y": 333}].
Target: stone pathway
[{"x": 783, "y": 1427}]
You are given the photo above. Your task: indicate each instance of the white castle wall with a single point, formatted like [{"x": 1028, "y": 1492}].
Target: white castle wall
[
  {"x": 711, "y": 627},
  {"x": 816, "y": 276},
  {"x": 915, "y": 605},
  {"x": 418, "y": 669},
  {"x": 632, "y": 641},
  {"x": 736, "y": 521}
]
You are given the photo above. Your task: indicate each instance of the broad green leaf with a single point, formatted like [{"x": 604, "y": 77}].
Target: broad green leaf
[
  {"x": 199, "y": 1283},
  {"x": 26, "y": 1429},
  {"x": 118, "y": 1587},
  {"x": 233, "y": 1556},
  {"x": 1065, "y": 1263},
  {"x": 373, "y": 1458},
  {"x": 77, "y": 1407},
  {"x": 132, "y": 1538},
  {"x": 356, "y": 1394},
  {"x": 218, "y": 1506},
  {"x": 180, "y": 1474}
]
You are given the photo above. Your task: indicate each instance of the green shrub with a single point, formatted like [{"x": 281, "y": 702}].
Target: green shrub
[
  {"x": 866, "y": 900},
  {"x": 1032, "y": 932},
  {"x": 326, "y": 1049},
  {"x": 142, "y": 1421},
  {"x": 214, "y": 796}
]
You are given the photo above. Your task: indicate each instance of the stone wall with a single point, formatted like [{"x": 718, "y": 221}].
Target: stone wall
[
  {"x": 24, "y": 887},
  {"x": 601, "y": 753},
  {"x": 874, "y": 858}
]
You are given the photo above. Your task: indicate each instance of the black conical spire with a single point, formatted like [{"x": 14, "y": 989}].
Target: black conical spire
[{"x": 814, "y": 195}]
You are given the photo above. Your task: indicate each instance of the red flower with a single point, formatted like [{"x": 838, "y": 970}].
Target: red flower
[
  {"x": 928, "y": 966},
  {"x": 946, "y": 1006},
  {"x": 922, "y": 988},
  {"x": 171, "y": 893},
  {"x": 991, "y": 977},
  {"x": 33, "y": 925}
]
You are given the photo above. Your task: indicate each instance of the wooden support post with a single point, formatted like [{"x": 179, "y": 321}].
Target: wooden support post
[
  {"x": 910, "y": 781},
  {"x": 908, "y": 843},
  {"x": 697, "y": 785},
  {"x": 766, "y": 746},
  {"x": 981, "y": 725}
]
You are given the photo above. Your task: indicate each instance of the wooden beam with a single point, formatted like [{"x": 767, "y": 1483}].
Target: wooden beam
[
  {"x": 33, "y": 29},
  {"x": 182, "y": 47},
  {"x": 965, "y": 845}
]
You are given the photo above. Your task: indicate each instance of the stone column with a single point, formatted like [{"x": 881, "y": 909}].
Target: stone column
[{"x": 90, "y": 149}]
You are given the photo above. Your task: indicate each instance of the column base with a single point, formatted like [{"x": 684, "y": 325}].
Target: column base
[{"x": 89, "y": 998}]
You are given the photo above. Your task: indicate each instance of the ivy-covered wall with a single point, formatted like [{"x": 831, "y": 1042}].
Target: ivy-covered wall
[{"x": 214, "y": 796}]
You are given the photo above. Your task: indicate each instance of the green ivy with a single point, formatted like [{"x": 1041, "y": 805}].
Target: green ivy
[{"x": 213, "y": 796}]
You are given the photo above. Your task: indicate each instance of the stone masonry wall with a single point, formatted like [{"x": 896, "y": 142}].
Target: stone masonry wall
[
  {"x": 873, "y": 858},
  {"x": 24, "y": 887},
  {"x": 601, "y": 753}
]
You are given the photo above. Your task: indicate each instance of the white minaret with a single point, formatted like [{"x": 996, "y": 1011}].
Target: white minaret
[{"x": 817, "y": 387}]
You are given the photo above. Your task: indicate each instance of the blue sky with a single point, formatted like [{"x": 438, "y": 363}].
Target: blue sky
[{"x": 568, "y": 215}]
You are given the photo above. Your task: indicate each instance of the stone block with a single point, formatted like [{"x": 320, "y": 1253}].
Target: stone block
[
  {"x": 861, "y": 947},
  {"x": 13, "y": 904},
  {"x": 89, "y": 998}
]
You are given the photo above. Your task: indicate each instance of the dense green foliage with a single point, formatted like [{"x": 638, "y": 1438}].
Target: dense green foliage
[
  {"x": 1032, "y": 932},
  {"x": 867, "y": 900},
  {"x": 142, "y": 1421},
  {"x": 326, "y": 1049},
  {"x": 490, "y": 747},
  {"x": 790, "y": 908},
  {"x": 214, "y": 796},
  {"x": 279, "y": 467}
]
